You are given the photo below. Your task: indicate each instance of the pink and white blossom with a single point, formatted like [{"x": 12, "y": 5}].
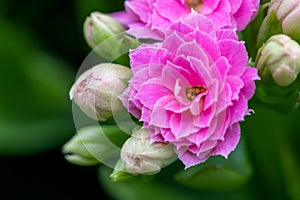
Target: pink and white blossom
[
  {"x": 192, "y": 89},
  {"x": 149, "y": 18}
]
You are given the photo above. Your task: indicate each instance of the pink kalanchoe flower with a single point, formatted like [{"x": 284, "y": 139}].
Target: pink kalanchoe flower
[
  {"x": 192, "y": 89},
  {"x": 149, "y": 18}
]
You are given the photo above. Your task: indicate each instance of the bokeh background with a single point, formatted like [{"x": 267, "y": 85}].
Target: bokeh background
[{"x": 41, "y": 48}]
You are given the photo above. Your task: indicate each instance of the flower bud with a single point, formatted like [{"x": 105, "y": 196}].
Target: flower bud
[
  {"x": 287, "y": 12},
  {"x": 99, "y": 27},
  {"x": 90, "y": 146},
  {"x": 280, "y": 58},
  {"x": 96, "y": 91},
  {"x": 106, "y": 36},
  {"x": 140, "y": 156}
]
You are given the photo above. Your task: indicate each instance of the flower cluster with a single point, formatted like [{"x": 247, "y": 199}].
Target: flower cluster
[
  {"x": 188, "y": 87},
  {"x": 149, "y": 18},
  {"x": 192, "y": 89}
]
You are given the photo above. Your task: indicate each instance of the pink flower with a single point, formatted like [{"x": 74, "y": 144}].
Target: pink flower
[
  {"x": 148, "y": 18},
  {"x": 192, "y": 89}
]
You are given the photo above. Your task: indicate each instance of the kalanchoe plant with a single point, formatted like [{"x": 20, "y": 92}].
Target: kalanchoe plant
[{"x": 189, "y": 89}]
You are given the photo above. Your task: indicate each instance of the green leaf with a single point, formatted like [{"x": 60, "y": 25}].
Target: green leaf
[
  {"x": 163, "y": 187},
  {"x": 35, "y": 112},
  {"x": 269, "y": 140},
  {"x": 218, "y": 173},
  {"x": 140, "y": 188}
]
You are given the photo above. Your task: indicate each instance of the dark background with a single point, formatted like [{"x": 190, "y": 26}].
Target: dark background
[{"x": 33, "y": 171}]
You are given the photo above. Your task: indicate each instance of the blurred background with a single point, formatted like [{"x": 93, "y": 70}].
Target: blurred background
[{"x": 41, "y": 48}]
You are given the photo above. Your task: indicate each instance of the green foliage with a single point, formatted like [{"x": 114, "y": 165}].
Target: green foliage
[
  {"x": 35, "y": 111},
  {"x": 228, "y": 173}
]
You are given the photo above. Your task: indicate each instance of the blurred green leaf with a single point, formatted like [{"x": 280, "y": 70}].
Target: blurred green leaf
[
  {"x": 140, "y": 189},
  {"x": 227, "y": 173},
  {"x": 268, "y": 134},
  {"x": 35, "y": 112},
  {"x": 163, "y": 187}
]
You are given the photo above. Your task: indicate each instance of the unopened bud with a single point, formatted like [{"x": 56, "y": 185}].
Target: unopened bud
[
  {"x": 99, "y": 27},
  {"x": 90, "y": 146},
  {"x": 96, "y": 91},
  {"x": 279, "y": 58},
  {"x": 106, "y": 36},
  {"x": 140, "y": 156},
  {"x": 288, "y": 13}
]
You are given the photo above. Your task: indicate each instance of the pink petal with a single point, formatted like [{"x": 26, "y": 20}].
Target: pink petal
[
  {"x": 237, "y": 56},
  {"x": 160, "y": 117},
  {"x": 149, "y": 94},
  {"x": 174, "y": 12},
  {"x": 190, "y": 159},
  {"x": 235, "y": 86},
  {"x": 239, "y": 109},
  {"x": 209, "y": 6},
  {"x": 230, "y": 141},
  {"x": 139, "y": 30},
  {"x": 248, "y": 77},
  {"x": 124, "y": 18},
  {"x": 235, "y": 5},
  {"x": 180, "y": 124},
  {"x": 140, "y": 8}
]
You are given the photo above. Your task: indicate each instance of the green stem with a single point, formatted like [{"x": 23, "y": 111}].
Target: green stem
[{"x": 289, "y": 166}]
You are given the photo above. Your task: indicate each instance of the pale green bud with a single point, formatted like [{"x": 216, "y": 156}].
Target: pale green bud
[
  {"x": 288, "y": 13},
  {"x": 279, "y": 58},
  {"x": 140, "y": 156},
  {"x": 106, "y": 36},
  {"x": 90, "y": 146},
  {"x": 96, "y": 91},
  {"x": 99, "y": 27}
]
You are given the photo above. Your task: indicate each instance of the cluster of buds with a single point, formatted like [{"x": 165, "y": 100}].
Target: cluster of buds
[
  {"x": 282, "y": 18},
  {"x": 278, "y": 58},
  {"x": 97, "y": 92}
]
